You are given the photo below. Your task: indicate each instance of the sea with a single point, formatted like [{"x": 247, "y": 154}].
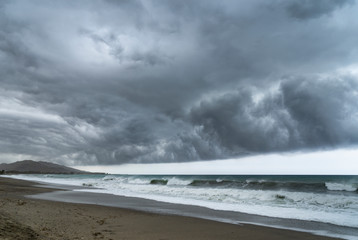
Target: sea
[{"x": 332, "y": 200}]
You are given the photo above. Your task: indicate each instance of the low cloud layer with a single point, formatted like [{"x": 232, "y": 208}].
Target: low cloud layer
[{"x": 111, "y": 82}]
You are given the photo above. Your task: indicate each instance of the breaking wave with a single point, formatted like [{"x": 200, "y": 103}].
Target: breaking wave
[
  {"x": 329, "y": 199},
  {"x": 257, "y": 184},
  {"x": 349, "y": 187}
]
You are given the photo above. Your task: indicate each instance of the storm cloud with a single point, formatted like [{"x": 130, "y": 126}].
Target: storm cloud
[{"x": 111, "y": 82}]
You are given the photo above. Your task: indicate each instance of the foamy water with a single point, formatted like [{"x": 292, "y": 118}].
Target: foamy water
[{"x": 327, "y": 199}]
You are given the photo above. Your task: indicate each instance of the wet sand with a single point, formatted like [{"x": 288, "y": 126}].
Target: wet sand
[{"x": 24, "y": 218}]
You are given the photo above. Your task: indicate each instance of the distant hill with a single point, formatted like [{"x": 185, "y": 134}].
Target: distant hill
[{"x": 30, "y": 166}]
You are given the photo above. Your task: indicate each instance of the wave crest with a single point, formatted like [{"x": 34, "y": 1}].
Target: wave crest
[{"x": 349, "y": 187}]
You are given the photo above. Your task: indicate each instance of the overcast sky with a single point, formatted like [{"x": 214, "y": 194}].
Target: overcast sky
[{"x": 110, "y": 82}]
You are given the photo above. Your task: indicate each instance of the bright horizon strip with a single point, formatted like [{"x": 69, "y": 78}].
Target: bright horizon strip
[{"x": 334, "y": 162}]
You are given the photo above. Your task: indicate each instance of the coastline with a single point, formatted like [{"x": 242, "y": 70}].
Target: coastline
[{"x": 43, "y": 219}]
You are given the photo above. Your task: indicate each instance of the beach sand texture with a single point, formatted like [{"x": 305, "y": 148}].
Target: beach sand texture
[{"x": 22, "y": 218}]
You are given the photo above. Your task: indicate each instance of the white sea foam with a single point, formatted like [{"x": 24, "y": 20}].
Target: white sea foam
[
  {"x": 178, "y": 181},
  {"x": 108, "y": 178},
  {"x": 328, "y": 207},
  {"x": 133, "y": 180},
  {"x": 322, "y": 207},
  {"x": 335, "y": 210},
  {"x": 349, "y": 187}
]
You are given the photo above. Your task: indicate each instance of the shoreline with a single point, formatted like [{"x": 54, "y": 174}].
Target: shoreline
[
  {"x": 119, "y": 222},
  {"x": 175, "y": 209}
]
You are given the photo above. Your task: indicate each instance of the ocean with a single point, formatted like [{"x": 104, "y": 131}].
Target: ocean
[{"x": 323, "y": 199}]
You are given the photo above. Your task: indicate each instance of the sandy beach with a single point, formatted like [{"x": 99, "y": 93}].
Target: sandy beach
[{"x": 24, "y": 218}]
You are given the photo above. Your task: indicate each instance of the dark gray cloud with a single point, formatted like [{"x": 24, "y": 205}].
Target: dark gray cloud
[
  {"x": 304, "y": 113},
  {"x": 162, "y": 81},
  {"x": 325, "y": 110},
  {"x": 312, "y": 9}
]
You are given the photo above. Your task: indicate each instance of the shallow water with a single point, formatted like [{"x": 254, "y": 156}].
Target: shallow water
[{"x": 324, "y": 199}]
